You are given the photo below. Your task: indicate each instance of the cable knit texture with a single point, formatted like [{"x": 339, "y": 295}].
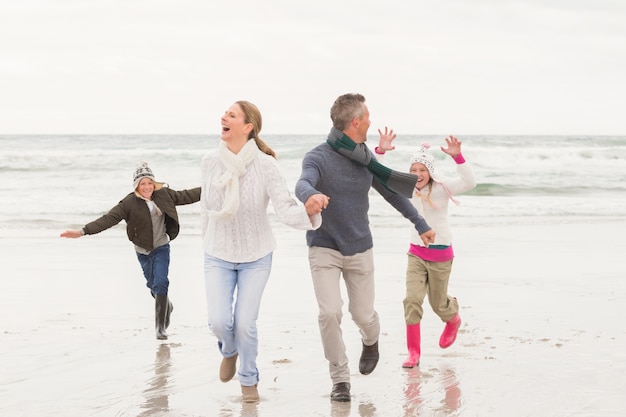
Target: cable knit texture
[{"x": 247, "y": 235}]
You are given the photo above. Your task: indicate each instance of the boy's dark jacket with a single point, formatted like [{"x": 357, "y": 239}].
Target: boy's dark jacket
[{"x": 136, "y": 213}]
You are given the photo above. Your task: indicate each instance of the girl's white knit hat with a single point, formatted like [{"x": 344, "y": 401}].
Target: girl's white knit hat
[{"x": 424, "y": 157}]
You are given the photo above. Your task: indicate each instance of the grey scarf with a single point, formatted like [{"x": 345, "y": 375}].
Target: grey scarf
[{"x": 398, "y": 182}]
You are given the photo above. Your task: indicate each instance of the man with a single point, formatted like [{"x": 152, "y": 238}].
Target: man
[{"x": 336, "y": 176}]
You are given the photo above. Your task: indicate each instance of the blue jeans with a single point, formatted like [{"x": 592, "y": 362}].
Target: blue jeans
[
  {"x": 234, "y": 325},
  {"x": 155, "y": 268}
]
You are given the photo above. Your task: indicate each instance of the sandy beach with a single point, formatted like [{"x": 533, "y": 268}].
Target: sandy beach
[{"x": 541, "y": 304}]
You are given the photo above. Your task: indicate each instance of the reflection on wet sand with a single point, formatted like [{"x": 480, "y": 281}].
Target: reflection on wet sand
[
  {"x": 412, "y": 397},
  {"x": 249, "y": 410},
  {"x": 415, "y": 400},
  {"x": 452, "y": 399},
  {"x": 156, "y": 394},
  {"x": 230, "y": 407},
  {"x": 433, "y": 392},
  {"x": 342, "y": 409},
  {"x": 367, "y": 409}
]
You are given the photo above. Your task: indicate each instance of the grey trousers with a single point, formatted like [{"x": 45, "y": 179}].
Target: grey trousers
[
  {"x": 426, "y": 277},
  {"x": 327, "y": 267}
]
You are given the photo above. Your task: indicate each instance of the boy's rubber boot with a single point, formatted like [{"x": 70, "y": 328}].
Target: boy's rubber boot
[
  {"x": 413, "y": 341},
  {"x": 170, "y": 308},
  {"x": 160, "y": 311},
  {"x": 449, "y": 332}
]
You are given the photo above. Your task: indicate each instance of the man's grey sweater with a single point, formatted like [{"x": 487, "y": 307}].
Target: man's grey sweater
[{"x": 345, "y": 222}]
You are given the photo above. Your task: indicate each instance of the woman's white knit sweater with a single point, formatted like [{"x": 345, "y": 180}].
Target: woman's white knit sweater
[{"x": 247, "y": 236}]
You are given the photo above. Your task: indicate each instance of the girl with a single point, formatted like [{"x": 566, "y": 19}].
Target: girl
[{"x": 428, "y": 269}]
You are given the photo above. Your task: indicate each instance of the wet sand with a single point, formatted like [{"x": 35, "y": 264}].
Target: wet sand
[{"x": 541, "y": 304}]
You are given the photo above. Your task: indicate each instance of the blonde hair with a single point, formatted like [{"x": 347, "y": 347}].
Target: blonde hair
[{"x": 252, "y": 115}]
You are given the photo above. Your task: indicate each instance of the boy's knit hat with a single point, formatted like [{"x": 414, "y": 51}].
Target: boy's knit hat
[
  {"x": 144, "y": 171},
  {"x": 425, "y": 158}
]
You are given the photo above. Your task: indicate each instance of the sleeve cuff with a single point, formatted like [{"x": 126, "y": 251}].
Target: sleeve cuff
[{"x": 459, "y": 159}]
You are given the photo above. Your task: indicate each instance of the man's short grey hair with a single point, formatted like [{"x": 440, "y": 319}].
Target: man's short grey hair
[{"x": 345, "y": 109}]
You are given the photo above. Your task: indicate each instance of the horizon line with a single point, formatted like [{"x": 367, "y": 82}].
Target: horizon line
[{"x": 306, "y": 134}]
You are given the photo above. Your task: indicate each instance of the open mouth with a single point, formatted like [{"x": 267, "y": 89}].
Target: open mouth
[{"x": 225, "y": 129}]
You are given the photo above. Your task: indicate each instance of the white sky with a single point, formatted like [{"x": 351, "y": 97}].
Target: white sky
[{"x": 439, "y": 66}]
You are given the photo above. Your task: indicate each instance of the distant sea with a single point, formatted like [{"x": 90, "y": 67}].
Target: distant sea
[{"x": 52, "y": 182}]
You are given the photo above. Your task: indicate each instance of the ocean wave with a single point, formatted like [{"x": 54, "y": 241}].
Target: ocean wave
[
  {"x": 56, "y": 181},
  {"x": 495, "y": 189}
]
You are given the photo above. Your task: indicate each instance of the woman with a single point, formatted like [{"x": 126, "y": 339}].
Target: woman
[
  {"x": 151, "y": 223},
  {"x": 239, "y": 179}
]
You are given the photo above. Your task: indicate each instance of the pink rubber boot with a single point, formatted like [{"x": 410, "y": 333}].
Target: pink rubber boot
[
  {"x": 449, "y": 332},
  {"x": 413, "y": 339}
]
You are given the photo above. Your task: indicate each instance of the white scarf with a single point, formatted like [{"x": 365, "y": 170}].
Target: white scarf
[{"x": 235, "y": 168}]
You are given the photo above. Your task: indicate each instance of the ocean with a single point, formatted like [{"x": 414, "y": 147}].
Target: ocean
[{"x": 53, "y": 182}]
